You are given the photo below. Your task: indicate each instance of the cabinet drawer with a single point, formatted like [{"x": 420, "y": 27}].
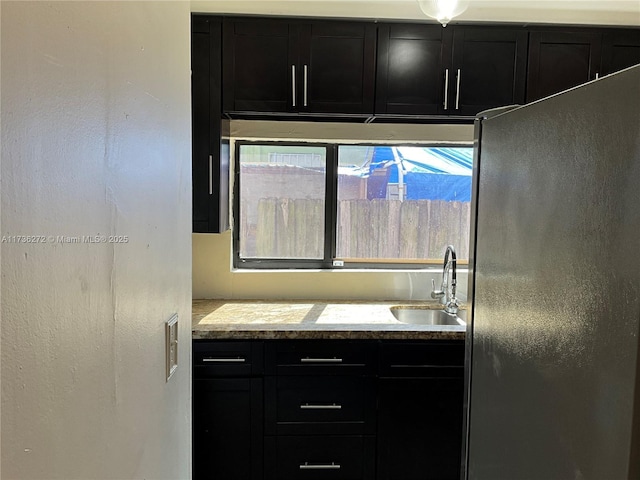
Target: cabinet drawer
[
  {"x": 422, "y": 359},
  {"x": 320, "y": 405},
  {"x": 322, "y": 357},
  {"x": 322, "y": 457},
  {"x": 227, "y": 358}
]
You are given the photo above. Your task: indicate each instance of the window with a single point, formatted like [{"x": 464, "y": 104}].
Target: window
[{"x": 308, "y": 205}]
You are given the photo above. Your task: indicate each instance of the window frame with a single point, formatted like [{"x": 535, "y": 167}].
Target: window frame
[{"x": 331, "y": 212}]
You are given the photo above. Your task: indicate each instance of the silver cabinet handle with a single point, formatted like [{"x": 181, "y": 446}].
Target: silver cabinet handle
[
  {"x": 321, "y": 360},
  {"x": 320, "y": 466},
  {"x": 333, "y": 406},
  {"x": 224, "y": 360},
  {"x": 306, "y": 76},
  {"x": 446, "y": 88},
  {"x": 210, "y": 174},
  {"x": 293, "y": 85},
  {"x": 458, "y": 90}
]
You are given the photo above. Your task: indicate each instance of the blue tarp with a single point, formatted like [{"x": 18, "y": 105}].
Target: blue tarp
[{"x": 430, "y": 173}]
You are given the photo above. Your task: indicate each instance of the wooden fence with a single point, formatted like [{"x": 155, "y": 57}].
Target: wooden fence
[{"x": 367, "y": 229}]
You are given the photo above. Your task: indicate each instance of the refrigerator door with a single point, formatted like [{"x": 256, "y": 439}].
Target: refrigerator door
[{"x": 554, "y": 334}]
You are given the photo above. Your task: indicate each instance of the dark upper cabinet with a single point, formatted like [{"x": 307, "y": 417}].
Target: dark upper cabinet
[
  {"x": 337, "y": 63},
  {"x": 210, "y": 150},
  {"x": 280, "y": 66},
  {"x": 430, "y": 70},
  {"x": 620, "y": 49},
  {"x": 559, "y": 60},
  {"x": 412, "y": 64},
  {"x": 259, "y": 65},
  {"x": 489, "y": 67}
]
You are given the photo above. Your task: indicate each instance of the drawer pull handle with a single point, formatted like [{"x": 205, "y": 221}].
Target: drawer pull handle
[
  {"x": 320, "y": 466},
  {"x": 333, "y": 406},
  {"x": 321, "y": 360},
  {"x": 224, "y": 360}
]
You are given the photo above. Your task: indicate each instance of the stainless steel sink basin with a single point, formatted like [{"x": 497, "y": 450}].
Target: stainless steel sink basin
[{"x": 419, "y": 315}]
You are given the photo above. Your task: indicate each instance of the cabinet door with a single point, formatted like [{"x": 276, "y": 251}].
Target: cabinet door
[
  {"x": 420, "y": 428},
  {"x": 260, "y": 58},
  {"x": 489, "y": 66},
  {"x": 336, "y": 72},
  {"x": 210, "y": 156},
  {"x": 561, "y": 60},
  {"x": 620, "y": 49},
  {"x": 412, "y": 62},
  {"x": 227, "y": 429}
]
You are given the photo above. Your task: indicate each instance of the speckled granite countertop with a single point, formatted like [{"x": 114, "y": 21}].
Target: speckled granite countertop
[{"x": 254, "y": 319}]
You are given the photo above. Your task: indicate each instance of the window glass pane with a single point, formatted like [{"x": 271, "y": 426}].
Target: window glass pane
[
  {"x": 282, "y": 201},
  {"x": 403, "y": 203}
]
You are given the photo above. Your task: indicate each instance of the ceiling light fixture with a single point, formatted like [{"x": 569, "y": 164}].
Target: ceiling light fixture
[{"x": 443, "y": 10}]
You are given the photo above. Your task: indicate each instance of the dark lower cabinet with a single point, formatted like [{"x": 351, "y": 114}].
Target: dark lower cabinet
[
  {"x": 228, "y": 424},
  {"x": 419, "y": 428},
  {"x": 337, "y": 457},
  {"x": 327, "y": 409},
  {"x": 227, "y": 428},
  {"x": 420, "y": 410}
]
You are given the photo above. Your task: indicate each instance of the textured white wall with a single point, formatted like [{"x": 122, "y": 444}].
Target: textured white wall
[{"x": 95, "y": 141}]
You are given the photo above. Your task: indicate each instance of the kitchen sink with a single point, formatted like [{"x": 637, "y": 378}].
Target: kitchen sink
[{"x": 424, "y": 315}]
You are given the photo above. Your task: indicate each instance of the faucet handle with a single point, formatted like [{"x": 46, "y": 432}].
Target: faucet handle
[{"x": 436, "y": 293}]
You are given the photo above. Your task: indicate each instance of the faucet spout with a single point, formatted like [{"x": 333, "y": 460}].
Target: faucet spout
[{"x": 448, "y": 289}]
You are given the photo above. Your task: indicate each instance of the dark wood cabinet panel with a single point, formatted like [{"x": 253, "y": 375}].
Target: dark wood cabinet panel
[
  {"x": 227, "y": 359},
  {"x": 337, "y": 67},
  {"x": 210, "y": 148},
  {"x": 278, "y": 410},
  {"x": 258, "y": 59},
  {"x": 320, "y": 457},
  {"x": 227, "y": 428},
  {"x": 320, "y": 357},
  {"x": 412, "y": 60},
  {"x": 429, "y": 70},
  {"x": 561, "y": 60},
  {"x": 419, "y": 428},
  {"x": 620, "y": 49},
  {"x": 287, "y": 66},
  {"x": 489, "y": 65},
  {"x": 319, "y": 405}
]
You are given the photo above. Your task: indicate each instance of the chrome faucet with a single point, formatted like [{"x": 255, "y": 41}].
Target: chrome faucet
[{"x": 447, "y": 292}]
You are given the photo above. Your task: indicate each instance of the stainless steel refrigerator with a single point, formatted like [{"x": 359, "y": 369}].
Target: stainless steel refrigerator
[{"x": 553, "y": 340}]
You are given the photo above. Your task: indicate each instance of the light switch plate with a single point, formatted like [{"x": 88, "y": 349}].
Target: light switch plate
[{"x": 172, "y": 345}]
